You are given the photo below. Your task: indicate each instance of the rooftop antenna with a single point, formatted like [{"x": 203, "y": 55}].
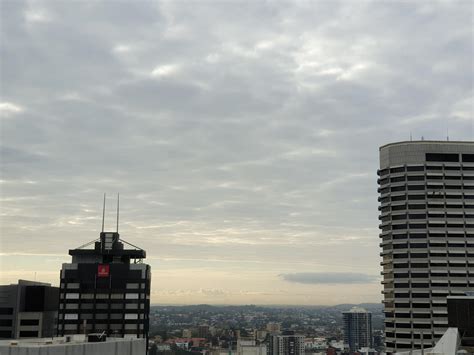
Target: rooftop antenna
[
  {"x": 447, "y": 134},
  {"x": 118, "y": 209},
  {"x": 422, "y": 138},
  {"x": 103, "y": 215},
  {"x": 411, "y": 138}
]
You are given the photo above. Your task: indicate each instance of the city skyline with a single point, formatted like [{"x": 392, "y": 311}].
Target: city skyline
[{"x": 245, "y": 159}]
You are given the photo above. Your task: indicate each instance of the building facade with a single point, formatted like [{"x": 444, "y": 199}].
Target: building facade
[
  {"x": 357, "y": 329},
  {"x": 287, "y": 343},
  {"x": 28, "y": 309},
  {"x": 105, "y": 289},
  {"x": 427, "y": 236}
]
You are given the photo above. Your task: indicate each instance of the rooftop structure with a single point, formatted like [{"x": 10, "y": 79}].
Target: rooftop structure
[{"x": 105, "y": 289}]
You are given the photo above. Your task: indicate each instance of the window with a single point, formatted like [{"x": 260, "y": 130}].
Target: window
[
  {"x": 416, "y": 197},
  {"x": 28, "y": 334},
  {"x": 131, "y": 296},
  {"x": 397, "y": 170},
  {"x": 5, "y": 322},
  {"x": 29, "y": 322},
  {"x": 420, "y": 206},
  {"x": 394, "y": 189},
  {"x": 421, "y": 315},
  {"x": 6, "y": 310},
  {"x": 416, "y": 187},
  {"x": 397, "y": 179},
  {"x": 443, "y": 157},
  {"x": 468, "y": 158},
  {"x": 398, "y": 208},
  {"x": 416, "y": 178},
  {"x": 415, "y": 168},
  {"x": 398, "y": 198}
]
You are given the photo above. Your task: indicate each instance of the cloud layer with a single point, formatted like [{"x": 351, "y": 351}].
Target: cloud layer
[
  {"x": 329, "y": 278},
  {"x": 242, "y": 136}
]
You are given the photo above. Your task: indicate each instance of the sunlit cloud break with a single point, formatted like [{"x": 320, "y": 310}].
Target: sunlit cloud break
[{"x": 329, "y": 278}]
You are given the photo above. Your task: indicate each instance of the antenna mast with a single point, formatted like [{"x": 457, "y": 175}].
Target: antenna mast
[
  {"x": 118, "y": 209},
  {"x": 103, "y": 215}
]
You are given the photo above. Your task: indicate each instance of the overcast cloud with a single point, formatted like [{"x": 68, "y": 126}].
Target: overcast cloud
[{"x": 242, "y": 135}]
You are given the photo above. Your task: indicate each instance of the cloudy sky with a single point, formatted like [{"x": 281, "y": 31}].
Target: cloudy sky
[{"x": 242, "y": 135}]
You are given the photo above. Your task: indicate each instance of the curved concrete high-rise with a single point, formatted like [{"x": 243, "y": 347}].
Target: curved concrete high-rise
[{"x": 427, "y": 236}]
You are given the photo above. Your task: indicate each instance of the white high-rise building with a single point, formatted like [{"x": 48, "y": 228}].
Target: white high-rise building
[
  {"x": 357, "y": 329},
  {"x": 427, "y": 236},
  {"x": 287, "y": 343}
]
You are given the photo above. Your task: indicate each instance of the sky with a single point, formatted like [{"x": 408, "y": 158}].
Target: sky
[{"x": 242, "y": 136}]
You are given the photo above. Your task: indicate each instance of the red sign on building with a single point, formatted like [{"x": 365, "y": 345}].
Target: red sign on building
[{"x": 103, "y": 270}]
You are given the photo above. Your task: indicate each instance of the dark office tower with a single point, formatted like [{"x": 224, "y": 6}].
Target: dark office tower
[
  {"x": 28, "y": 310},
  {"x": 357, "y": 329},
  {"x": 461, "y": 316},
  {"x": 105, "y": 289},
  {"x": 427, "y": 236},
  {"x": 287, "y": 343}
]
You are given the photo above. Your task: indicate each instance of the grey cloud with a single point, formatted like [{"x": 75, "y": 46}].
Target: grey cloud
[
  {"x": 265, "y": 138},
  {"x": 329, "y": 278}
]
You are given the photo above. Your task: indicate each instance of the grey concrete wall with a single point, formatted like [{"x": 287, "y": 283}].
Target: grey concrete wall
[
  {"x": 120, "y": 347},
  {"x": 414, "y": 152}
]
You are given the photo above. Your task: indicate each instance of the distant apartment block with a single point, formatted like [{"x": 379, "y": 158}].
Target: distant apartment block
[
  {"x": 273, "y": 327},
  {"x": 287, "y": 343},
  {"x": 28, "y": 310},
  {"x": 250, "y": 347},
  {"x": 357, "y": 329},
  {"x": 427, "y": 236},
  {"x": 105, "y": 289}
]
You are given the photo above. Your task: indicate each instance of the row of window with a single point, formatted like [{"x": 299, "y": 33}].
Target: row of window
[
  {"x": 407, "y": 336},
  {"x": 77, "y": 285},
  {"x": 414, "y": 235},
  {"x": 391, "y": 345},
  {"x": 414, "y": 315},
  {"x": 90, "y": 296},
  {"x": 116, "y": 316},
  {"x": 413, "y": 326},
  {"x": 428, "y": 187},
  {"x": 418, "y": 295},
  {"x": 438, "y": 218},
  {"x": 402, "y": 169},
  {"x": 424, "y": 206},
  {"x": 432, "y": 284},
  {"x": 425, "y": 275},
  {"x": 404, "y": 178},
  {"x": 402, "y": 226},
  {"x": 103, "y": 305},
  {"x": 426, "y": 265},
  {"x": 431, "y": 245},
  {"x": 422, "y": 197}
]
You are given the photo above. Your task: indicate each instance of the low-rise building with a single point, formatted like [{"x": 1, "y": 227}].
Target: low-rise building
[
  {"x": 28, "y": 309},
  {"x": 93, "y": 344}
]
